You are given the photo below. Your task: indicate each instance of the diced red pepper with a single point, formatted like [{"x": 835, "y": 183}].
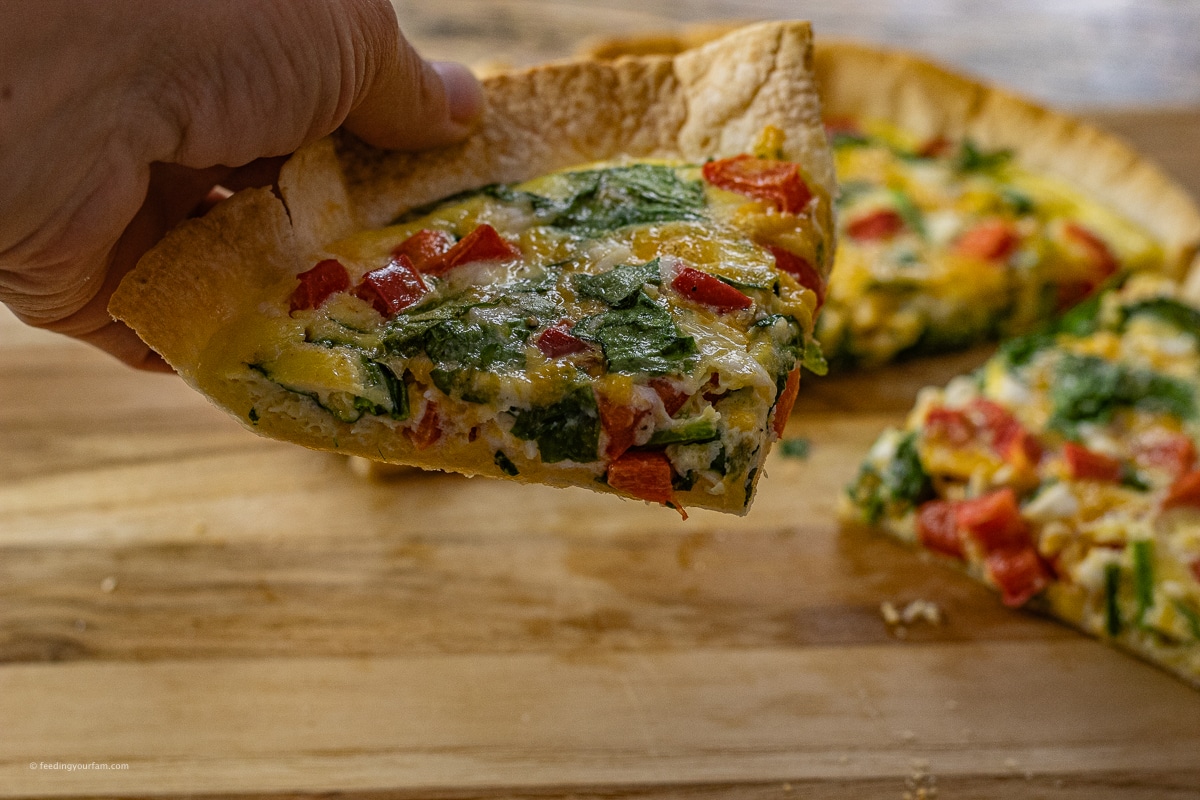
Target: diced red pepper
[
  {"x": 424, "y": 246},
  {"x": 799, "y": 268},
  {"x": 393, "y": 288},
  {"x": 556, "y": 342},
  {"x": 1195, "y": 567},
  {"x": 1098, "y": 255},
  {"x": 644, "y": 474},
  {"x": 481, "y": 244},
  {"x": 1175, "y": 453},
  {"x": 704, "y": 288},
  {"x": 1020, "y": 574},
  {"x": 951, "y": 425},
  {"x": 994, "y": 520},
  {"x": 620, "y": 422},
  {"x": 672, "y": 397},
  {"x": 842, "y": 126},
  {"x": 775, "y": 182},
  {"x": 1100, "y": 261},
  {"x": 1009, "y": 439},
  {"x": 1184, "y": 492},
  {"x": 937, "y": 146},
  {"x": 1088, "y": 465},
  {"x": 878, "y": 225},
  {"x": 428, "y": 430},
  {"x": 937, "y": 528},
  {"x": 990, "y": 240},
  {"x": 785, "y": 402},
  {"x": 327, "y": 278}
]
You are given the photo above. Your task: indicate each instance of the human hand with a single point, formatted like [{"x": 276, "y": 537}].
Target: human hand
[{"x": 117, "y": 120}]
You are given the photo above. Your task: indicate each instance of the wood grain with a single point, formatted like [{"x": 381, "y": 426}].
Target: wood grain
[{"x": 229, "y": 616}]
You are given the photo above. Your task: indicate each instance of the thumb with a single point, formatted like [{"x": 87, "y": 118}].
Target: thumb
[
  {"x": 403, "y": 101},
  {"x": 414, "y": 104},
  {"x": 265, "y": 78}
]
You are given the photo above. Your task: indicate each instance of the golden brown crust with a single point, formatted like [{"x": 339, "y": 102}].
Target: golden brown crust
[
  {"x": 928, "y": 100},
  {"x": 711, "y": 101}
]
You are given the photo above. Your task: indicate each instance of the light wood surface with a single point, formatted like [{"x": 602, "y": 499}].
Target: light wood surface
[{"x": 225, "y": 615}]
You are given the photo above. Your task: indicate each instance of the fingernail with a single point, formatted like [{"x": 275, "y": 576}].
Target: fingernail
[{"x": 463, "y": 92}]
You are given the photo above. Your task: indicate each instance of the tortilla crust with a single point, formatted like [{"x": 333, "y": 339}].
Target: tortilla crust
[
  {"x": 861, "y": 81},
  {"x": 713, "y": 101}
]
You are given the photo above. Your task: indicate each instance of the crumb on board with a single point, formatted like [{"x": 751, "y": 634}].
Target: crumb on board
[
  {"x": 108, "y": 585},
  {"x": 921, "y": 784},
  {"x": 899, "y": 619}
]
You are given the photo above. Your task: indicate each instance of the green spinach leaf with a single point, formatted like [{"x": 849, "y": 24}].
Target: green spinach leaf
[{"x": 568, "y": 430}]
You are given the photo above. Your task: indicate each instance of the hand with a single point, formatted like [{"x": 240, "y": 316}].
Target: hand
[{"x": 117, "y": 119}]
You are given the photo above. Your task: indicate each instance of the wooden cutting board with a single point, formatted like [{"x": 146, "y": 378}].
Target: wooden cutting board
[{"x": 205, "y": 612}]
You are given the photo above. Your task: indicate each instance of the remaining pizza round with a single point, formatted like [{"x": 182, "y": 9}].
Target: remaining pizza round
[{"x": 1064, "y": 472}]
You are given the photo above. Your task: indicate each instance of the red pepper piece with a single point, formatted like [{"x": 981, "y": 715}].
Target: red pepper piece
[
  {"x": 481, "y": 244},
  {"x": 777, "y": 183},
  {"x": 990, "y": 240},
  {"x": 704, "y": 288},
  {"x": 428, "y": 430},
  {"x": 1095, "y": 250},
  {"x": 842, "y": 126},
  {"x": 672, "y": 398},
  {"x": 937, "y": 146},
  {"x": 951, "y": 425},
  {"x": 994, "y": 520},
  {"x": 1101, "y": 263},
  {"x": 1175, "y": 454},
  {"x": 937, "y": 528},
  {"x": 787, "y": 399},
  {"x": 1195, "y": 567},
  {"x": 1020, "y": 574},
  {"x": 393, "y": 288},
  {"x": 1088, "y": 465},
  {"x": 424, "y": 246},
  {"x": 645, "y": 475},
  {"x": 1184, "y": 492},
  {"x": 327, "y": 278},
  {"x": 878, "y": 225},
  {"x": 799, "y": 268},
  {"x": 1008, "y": 437},
  {"x": 620, "y": 421},
  {"x": 556, "y": 342}
]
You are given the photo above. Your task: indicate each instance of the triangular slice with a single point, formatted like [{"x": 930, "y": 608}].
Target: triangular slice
[
  {"x": 1064, "y": 472},
  {"x": 613, "y": 284}
]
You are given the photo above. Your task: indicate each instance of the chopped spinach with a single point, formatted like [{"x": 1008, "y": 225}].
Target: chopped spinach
[
  {"x": 972, "y": 159},
  {"x": 1090, "y": 389},
  {"x": 1020, "y": 351},
  {"x": 619, "y": 287},
  {"x": 1172, "y": 312},
  {"x": 604, "y": 199},
  {"x": 914, "y": 218},
  {"x": 640, "y": 339},
  {"x": 902, "y": 484},
  {"x": 505, "y": 464},
  {"x": 1019, "y": 203},
  {"x": 566, "y": 430},
  {"x": 1143, "y": 576},
  {"x": 1112, "y": 605},
  {"x": 795, "y": 448}
]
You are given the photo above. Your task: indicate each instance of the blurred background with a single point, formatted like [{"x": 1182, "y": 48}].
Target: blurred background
[{"x": 1071, "y": 53}]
